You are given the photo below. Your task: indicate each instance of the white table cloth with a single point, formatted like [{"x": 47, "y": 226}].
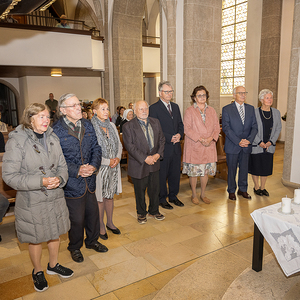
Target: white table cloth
[{"x": 282, "y": 232}]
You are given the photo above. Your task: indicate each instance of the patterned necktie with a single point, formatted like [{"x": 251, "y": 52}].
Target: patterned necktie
[
  {"x": 242, "y": 114},
  {"x": 169, "y": 109}
]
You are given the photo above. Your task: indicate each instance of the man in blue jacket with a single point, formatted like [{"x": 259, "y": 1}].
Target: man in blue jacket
[
  {"x": 83, "y": 156},
  {"x": 239, "y": 125}
]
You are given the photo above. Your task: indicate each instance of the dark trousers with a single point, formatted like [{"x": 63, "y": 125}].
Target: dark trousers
[
  {"x": 84, "y": 214},
  {"x": 4, "y": 203},
  {"x": 169, "y": 171},
  {"x": 240, "y": 160},
  {"x": 151, "y": 183}
]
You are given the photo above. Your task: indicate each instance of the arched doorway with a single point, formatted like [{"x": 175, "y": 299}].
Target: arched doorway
[{"x": 8, "y": 106}]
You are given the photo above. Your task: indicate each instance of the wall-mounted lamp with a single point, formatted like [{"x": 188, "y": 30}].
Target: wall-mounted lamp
[{"x": 56, "y": 73}]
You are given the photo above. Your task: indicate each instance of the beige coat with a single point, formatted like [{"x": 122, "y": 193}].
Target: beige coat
[{"x": 194, "y": 128}]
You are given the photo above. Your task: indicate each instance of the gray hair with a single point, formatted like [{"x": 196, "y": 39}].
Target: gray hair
[
  {"x": 263, "y": 93},
  {"x": 160, "y": 85},
  {"x": 134, "y": 104},
  {"x": 61, "y": 101},
  {"x": 234, "y": 90}
]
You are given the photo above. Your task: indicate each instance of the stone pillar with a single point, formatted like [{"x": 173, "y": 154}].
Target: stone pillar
[
  {"x": 291, "y": 150},
  {"x": 202, "y": 48},
  {"x": 127, "y": 51},
  {"x": 270, "y": 47},
  {"x": 190, "y": 48},
  {"x": 168, "y": 42}
]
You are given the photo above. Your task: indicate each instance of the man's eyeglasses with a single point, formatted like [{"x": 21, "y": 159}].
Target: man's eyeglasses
[
  {"x": 71, "y": 106},
  {"x": 168, "y": 92},
  {"x": 242, "y": 93}
]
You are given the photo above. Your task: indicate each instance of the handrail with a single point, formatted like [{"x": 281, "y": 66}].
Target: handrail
[
  {"x": 52, "y": 22},
  {"x": 148, "y": 39}
]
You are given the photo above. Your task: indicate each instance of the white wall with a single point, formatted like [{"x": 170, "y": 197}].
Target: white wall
[
  {"x": 37, "y": 88},
  {"x": 48, "y": 49},
  {"x": 151, "y": 60}
]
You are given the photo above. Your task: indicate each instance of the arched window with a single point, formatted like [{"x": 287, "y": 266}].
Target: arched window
[
  {"x": 8, "y": 106},
  {"x": 233, "y": 51}
]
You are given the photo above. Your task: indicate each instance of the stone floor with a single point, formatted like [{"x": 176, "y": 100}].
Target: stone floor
[{"x": 197, "y": 252}]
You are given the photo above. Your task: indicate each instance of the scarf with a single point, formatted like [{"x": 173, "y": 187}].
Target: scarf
[{"x": 102, "y": 138}]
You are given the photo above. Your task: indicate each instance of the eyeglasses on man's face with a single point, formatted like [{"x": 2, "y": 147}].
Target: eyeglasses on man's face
[
  {"x": 242, "y": 93},
  {"x": 71, "y": 106},
  {"x": 168, "y": 92}
]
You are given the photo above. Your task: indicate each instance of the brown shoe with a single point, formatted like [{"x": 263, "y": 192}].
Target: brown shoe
[
  {"x": 195, "y": 200},
  {"x": 244, "y": 194},
  {"x": 232, "y": 196},
  {"x": 205, "y": 200}
]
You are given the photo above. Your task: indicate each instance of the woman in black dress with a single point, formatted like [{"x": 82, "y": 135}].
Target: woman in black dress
[{"x": 263, "y": 147}]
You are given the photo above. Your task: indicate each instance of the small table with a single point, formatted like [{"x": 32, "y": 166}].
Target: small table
[{"x": 282, "y": 232}]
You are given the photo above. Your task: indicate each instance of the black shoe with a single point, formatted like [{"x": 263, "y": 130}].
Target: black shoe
[
  {"x": 177, "y": 202},
  {"x": 258, "y": 192},
  {"x": 114, "y": 231},
  {"x": 232, "y": 196},
  {"x": 77, "y": 256},
  {"x": 265, "y": 192},
  {"x": 244, "y": 194},
  {"x": 97, "y": 247},
  {"x": 166, "y": 205},
  {"x": 39, "y": 281},
  {"x": 60, "y": 270},
  {"x": 103, "y": 236}
]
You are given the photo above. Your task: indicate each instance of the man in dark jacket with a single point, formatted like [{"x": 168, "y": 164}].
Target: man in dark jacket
[
  {"x": 144, "y": 140},
  {"x": 169, "y": 116},
  {"x": 83, "y": 156}
]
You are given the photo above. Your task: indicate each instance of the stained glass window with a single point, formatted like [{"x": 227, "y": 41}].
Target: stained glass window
[{"x": 233, "y": 54}]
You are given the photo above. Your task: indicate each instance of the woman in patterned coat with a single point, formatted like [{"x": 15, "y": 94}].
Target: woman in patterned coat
[{"x": 108, "y": 180}]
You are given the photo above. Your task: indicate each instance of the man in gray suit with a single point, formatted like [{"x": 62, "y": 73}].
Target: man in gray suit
[{"x": 144, "y": 140}]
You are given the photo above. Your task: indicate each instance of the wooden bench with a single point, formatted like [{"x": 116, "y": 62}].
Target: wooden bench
[
  {"x": 6, "y": 190},
  {"x": 222, "y": 169}
]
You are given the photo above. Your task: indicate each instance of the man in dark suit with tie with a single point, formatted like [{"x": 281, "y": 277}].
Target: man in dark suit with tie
[
  {"x": 239, "y": 125},
  {"x": 169, "y": 116},
  {"x": 144, "y": 140}
]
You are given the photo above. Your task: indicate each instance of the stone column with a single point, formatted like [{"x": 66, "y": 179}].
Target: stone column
[
  {"x": 202, "y": 48},
  {"x": 127, "y": 51},
  {"x": 270, "y": 47},
  {"x": 291, "y": 150}
]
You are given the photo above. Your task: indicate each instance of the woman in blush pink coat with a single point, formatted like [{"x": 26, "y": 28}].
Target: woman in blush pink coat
[{"x": 201, "y": 128}]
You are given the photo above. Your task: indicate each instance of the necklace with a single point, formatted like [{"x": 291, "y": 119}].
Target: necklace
[{"x": 265, "y": 116}]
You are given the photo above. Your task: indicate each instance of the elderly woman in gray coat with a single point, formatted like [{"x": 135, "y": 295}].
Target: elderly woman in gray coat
[
  {"x": 34, "y": 165},
  {"x": 263, "y": 147}
]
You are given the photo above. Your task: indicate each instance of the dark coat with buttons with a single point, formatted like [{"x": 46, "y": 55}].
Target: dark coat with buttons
[{"x": 79, "y": 152}]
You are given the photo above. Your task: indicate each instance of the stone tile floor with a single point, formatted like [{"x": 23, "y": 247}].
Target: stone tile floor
[{"x": 144, "y": 258}]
